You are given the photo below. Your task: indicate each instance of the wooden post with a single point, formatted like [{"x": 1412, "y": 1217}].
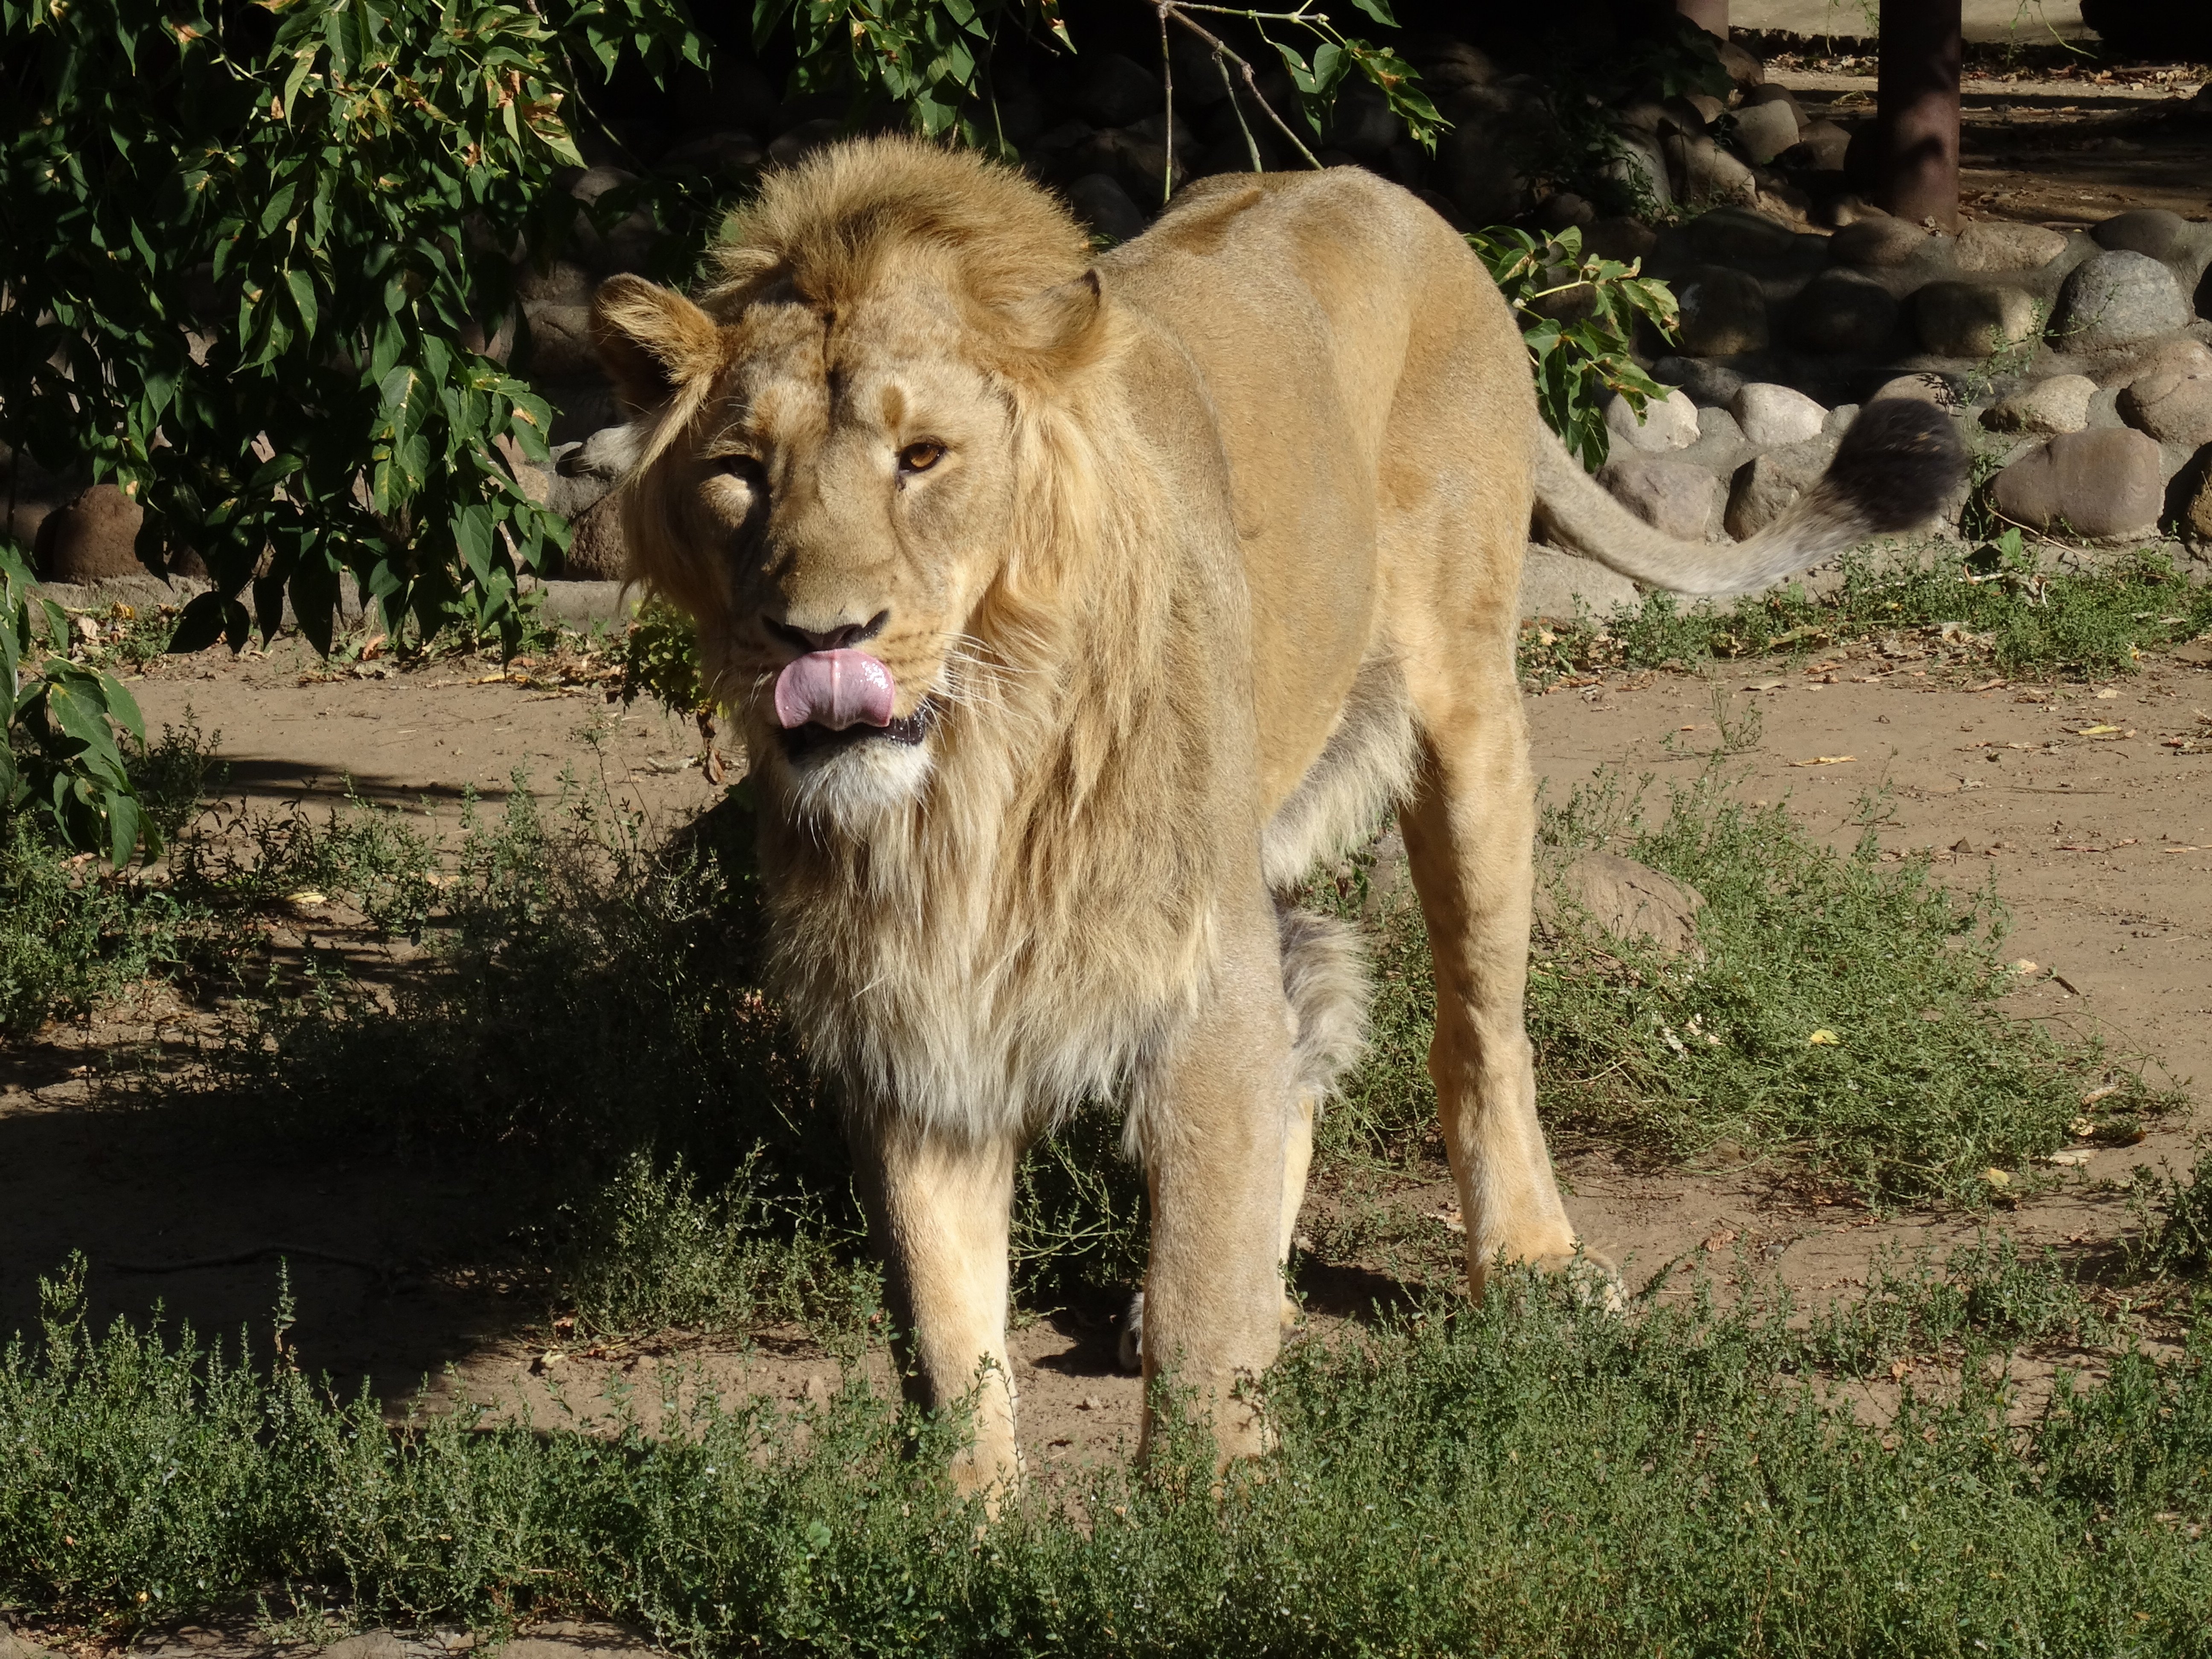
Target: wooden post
[
  {"x": 1710, "y": 15},
  {"x": 1917, "y": 116}
]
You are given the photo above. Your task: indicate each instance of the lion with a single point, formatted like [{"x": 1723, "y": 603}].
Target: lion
[{"x": 1073, "y": 609}]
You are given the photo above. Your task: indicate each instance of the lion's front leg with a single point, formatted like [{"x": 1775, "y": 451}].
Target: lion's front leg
[
  {"x": 1214, "y": 1150},
  {"x": 939, "y": 1208}
]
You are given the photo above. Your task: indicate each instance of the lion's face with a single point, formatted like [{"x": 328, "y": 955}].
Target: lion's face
[{"x": 844, "y": 485}]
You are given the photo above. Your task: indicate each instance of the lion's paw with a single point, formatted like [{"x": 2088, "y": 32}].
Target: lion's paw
[{"x": 1132, "y": 1334}]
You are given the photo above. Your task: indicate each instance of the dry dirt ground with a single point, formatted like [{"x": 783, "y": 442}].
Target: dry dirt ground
[{"x": 2100, "y": 840}]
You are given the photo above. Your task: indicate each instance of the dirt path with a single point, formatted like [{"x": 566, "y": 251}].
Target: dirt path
[{"x": 2099, "y": 839}]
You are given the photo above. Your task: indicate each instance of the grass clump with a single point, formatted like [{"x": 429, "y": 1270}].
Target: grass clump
[
  {"x": 1843, "y": 1021},
  {"x": 2176, "y": 1219},
  {"x": 1989, "y": 607},
  {"x": 1530, "y": 1475}
]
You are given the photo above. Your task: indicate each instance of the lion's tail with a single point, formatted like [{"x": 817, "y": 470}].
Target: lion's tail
[
  {"x": 1896, "y": 466},
  {"x": 1325, "y": 977}
]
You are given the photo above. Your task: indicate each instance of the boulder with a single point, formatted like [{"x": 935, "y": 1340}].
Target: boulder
[
  {"x": 2173, "y": 408},
  {"x": 1882, "y": 242},
  {"x": 1762, "y": 132},
  {"x": 1820, "y": 146},
  {"x": 1743, "y": 69},
  {"x": 1556, "y": 584},
  {"x": 563, "y": 283},
  {"x": 2060, "y": 404},
  {"x": 1112, "y": 90},
  {"x": 1994, "y": 245},
  {"x": 1101, "y": 202},
  {"x": 2099, "y": 483},
  {"x": 1707, "y": 384},
  {"x": 1701, "y": 171},
  {"x": 1924, "y": 388},
  {"x": 1639, "y": 166},
  {"x": 1619, "y": 237},
  {"x": 1767, "y": 486},
  {"x": 1724, "y": 313},
  {"x": 1674, "y": 497},
  {"x": 2115, "y": 299},
  {"x": 2155, "y": 233},
  {"x": 1975, "y": 320},
  {"x": 92, "y": 538},
  {"x": 2197, "y": 511},
  {"x": 2177, "y": 356},
  {"x": 1486, "y": 160},
  {"x": 1664, "y": 423},
  {"x": 596, "y": 550},
  {"x": 1721, "y": 447},
  {"x": 1841, "y": 310},
  {"x": 561, "y": 343},
  {"x": 1736, "y": 235},
  {"x": 1774, "y": 415},
  {"x": 1624, "y": 899}
]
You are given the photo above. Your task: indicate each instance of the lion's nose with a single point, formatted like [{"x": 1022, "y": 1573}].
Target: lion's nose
[{"x": 837, "y": 637}]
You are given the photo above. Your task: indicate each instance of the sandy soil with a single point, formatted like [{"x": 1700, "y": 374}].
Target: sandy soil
[{"x": 2100, "y": 840}]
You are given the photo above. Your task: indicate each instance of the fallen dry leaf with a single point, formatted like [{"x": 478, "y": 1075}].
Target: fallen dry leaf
[
  {"x": 1823, "y": 1038},
  {"x": 1996, "y": 1177},
  {"x": 1824, "y": 760}
]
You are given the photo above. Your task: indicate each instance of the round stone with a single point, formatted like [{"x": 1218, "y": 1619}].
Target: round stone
[
  {"x": 2102, "y": 481},
  {"x": 1841, "y": 310},
  {"x": 1665, "y": 423},
  {"x": 2115, "y": 299},
  {"x": 1926, "y": 388},
  {"x": 2173, "y": 408},
  {"x": 1673, "y": 497},
  {"x": 2060, "y": 404},
  {"x": 2152, "y": 231},
  {"x": 1724, "y": 313},
  {"x": 1764, "y": 130},
  {"x": 1772, "y": 416},
  {"x": 1993, "y": 245},
  {"x": 1974, "y": 320},
  {"x": 1882, "y": 242}
]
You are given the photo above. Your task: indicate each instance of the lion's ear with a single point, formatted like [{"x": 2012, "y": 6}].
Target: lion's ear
[
  {"x": 651, "y": 341},
  {"x": 1065, "y": 329}
]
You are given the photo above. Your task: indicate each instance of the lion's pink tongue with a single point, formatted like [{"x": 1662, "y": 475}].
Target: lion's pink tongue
[{"x": 835, "y": 689}]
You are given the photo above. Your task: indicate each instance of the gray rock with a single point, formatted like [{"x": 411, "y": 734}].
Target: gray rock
[
  {"x": 2091, "y": 484},
  {"x": 561, "y": 343},
  {"x": 2173, "y": 408},
  {"x": 2060, "y": 404},
  {"x": 1841, "y": 310},
  {"x": 1743, "y": 68},
  {"x": 1623, "y": 898},
  {"x": 1767, "y": 486},
  {"x": 563, "y": 283},
  {"x": 1100, "y": 201},
  {"x": 1736, "y": 235},
  {"x": 1674, "y": 497},
  {"x": 1721, "y": 447},
  {"x": 605, "y": 456},
  {"x": 1701, "y": 173},
  {"x": 1975, "y": 320},
  {"x": 1707, "y": 383},
  {"x": 1839, "y": 421},
  {"x": 1884, "y": 243},
  {"x": 1111, "y": 90},
  {"x": 1664, "y": 423},
  {"x": 2177, "y": 356},
  {"x": 1762, "y": 132},
  {"x": 2115, "y": 299},
  {"x": 1773, "y": 416},
  {"x": 1641, "y": 166},
  {"x": 1487, "y": 159},
  {"x": 1560, "y": 585},
  {"x": 596, "y": 551},
  {"x": 92, "y": 538},
  {"x": 1994, "y": 245},
  {"x": 1821, "y": 145},
  {"x": 2152, "y": 231},
  {"x": 1940, "y": 390},
  {"x": 1724, "y": 313},
  {"x": 579, "y": 604}
]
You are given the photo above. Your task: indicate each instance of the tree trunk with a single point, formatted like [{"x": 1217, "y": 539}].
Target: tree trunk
[
  {"x": 1917, "y": 114},
  {"x": 1710, "y": 15}
]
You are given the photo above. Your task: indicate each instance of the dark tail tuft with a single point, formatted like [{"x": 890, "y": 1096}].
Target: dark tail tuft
[{"x": 1899, "y": 462}]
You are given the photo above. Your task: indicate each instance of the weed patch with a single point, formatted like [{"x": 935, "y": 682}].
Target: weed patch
[
  {"x": 1525, "y": 1476},
  {"x": 1843, "y": 1022},
  {"x": 1987, "y": 608}
]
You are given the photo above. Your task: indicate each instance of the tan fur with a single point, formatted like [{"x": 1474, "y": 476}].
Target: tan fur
[{"x": 1219, "y": 562}]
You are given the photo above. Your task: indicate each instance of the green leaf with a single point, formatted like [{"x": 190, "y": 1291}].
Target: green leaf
[{"x": 302, "y": 286}]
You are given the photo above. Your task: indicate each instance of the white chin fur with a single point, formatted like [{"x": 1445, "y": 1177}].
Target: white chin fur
[{"x": 855, "y": 786}]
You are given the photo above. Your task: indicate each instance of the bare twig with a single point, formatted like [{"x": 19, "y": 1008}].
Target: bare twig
[
  {"x": 1167, "y": 79},
  {"x": 1222, "y": 51}
]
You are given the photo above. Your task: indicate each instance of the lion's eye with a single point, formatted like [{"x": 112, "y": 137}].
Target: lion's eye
[{"x": 920, "y": 458}]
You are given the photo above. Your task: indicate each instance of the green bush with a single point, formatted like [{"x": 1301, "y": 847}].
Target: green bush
[{"x": 245, "y": 248}]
